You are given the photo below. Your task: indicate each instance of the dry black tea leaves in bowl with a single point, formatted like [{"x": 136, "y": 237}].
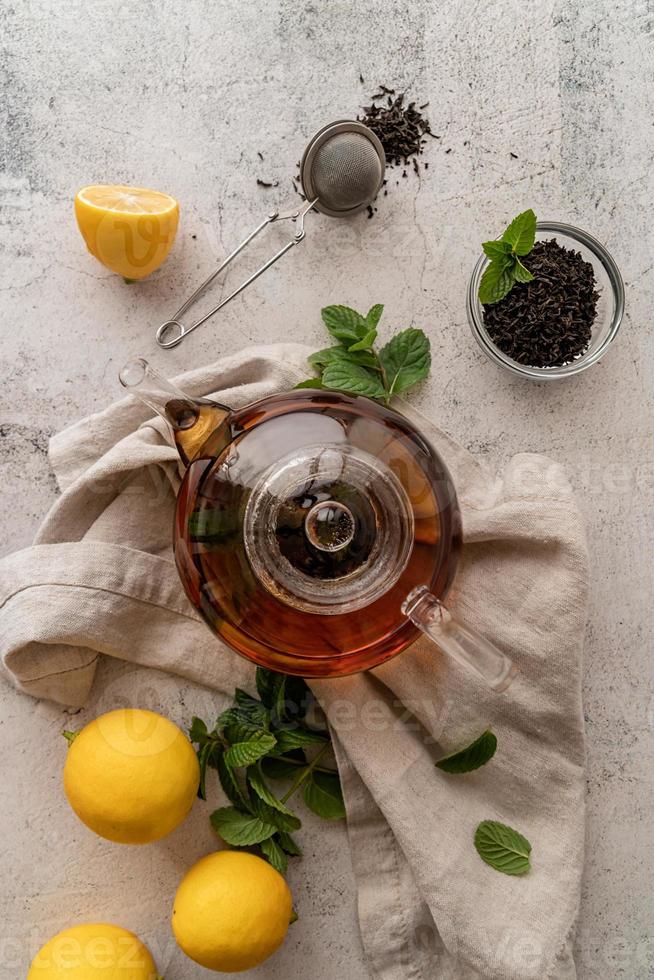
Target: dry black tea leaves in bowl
[{"x": 548, "y": 321}]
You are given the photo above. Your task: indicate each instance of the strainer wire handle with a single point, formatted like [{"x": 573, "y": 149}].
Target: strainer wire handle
[{"x": 297, "y": 215}]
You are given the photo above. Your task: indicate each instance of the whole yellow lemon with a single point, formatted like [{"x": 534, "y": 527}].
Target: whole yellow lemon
[
  {"x": 94, "y": 952},
  {"x": 131, "y": 776},
  {"x": 131, "y": 230},
  {"x": 231, "y": 911}
]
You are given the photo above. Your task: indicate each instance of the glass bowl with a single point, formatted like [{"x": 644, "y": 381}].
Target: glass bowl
[{"x": 610, "y": 305}]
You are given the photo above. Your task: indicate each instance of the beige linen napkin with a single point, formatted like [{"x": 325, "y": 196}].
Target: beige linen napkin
[{"x": 100, "y": 580}]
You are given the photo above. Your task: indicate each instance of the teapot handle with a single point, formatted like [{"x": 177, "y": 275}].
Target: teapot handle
[{"x": 466, "y": 647}]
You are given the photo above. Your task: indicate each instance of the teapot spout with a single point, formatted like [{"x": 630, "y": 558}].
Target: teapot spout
[{"x": 192, "y": 420}]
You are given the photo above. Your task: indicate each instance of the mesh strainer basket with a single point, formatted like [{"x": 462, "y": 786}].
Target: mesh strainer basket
[{"x": 341, "y": 172}]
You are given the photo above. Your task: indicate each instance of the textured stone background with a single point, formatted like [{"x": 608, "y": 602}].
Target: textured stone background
[{"x": 181, "y": 97}]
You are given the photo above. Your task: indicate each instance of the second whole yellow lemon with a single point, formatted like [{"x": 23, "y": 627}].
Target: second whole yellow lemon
[
  {"x": 94, "y": 951},
  {"x": 231, "y": 911},
  {"x": 131, "y": 776}
]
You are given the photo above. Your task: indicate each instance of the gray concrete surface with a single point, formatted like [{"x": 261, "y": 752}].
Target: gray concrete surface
[{"x": 181, "y": 96}]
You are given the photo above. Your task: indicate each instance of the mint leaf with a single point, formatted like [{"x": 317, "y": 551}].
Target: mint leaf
[
  {"x": 310, "y": 383},
  {"x": 288, "y": 844},
  {"x": 344, "y": 323},
  {"x": 496, "y": 282},
  {"x": 477, "y": 754},
  {"x": 253, "y": 708},
  {"x": 276, "y": 856},
  {"x": 406, "y": 359},
  {"x": 365, "y": 343},
  {"x": 236, "y": 716},
  {"x": 240, "y": 724},
  {"x": 502, "y": 848},
  {"x": 245, "y": 753},
  {"x": 520, "y": 272},
  {"x": 269, "y": 814},
  {"x": 240, "y": 829},
  {"x": 203, "y": 758},
  {"x": 328, "y": 355},
  {"x": 298, "y": 696},
  {"x": 323, "y": 795},
  {"x": 230, "y": 784},
  {"x": 258, "y": 785},
  {"x": 279, "y": 768},
  {"x": 297, "y": 738},
  {"x": 267, "y": 682},
  {"x": 373, "y": 316},
  {"x": 496, "y": 250},
  {"x": 198, "y": 730},
  {"x": 353, "y": 379},
  {"x": 521, "y": 233}
]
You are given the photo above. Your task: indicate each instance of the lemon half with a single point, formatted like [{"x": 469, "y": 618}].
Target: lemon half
[
  {"x": 231, "y": 911},
  {"x": 130, "y": 230},
  {"x": 131, "y": 776},
  {"x": 98, "y": 951}
]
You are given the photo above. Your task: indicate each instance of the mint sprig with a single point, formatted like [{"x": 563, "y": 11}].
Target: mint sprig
[
  {"x": 505, "y": 268},
  {"x": 261, "y": 739},
  {"x": 355, "y": 366}
]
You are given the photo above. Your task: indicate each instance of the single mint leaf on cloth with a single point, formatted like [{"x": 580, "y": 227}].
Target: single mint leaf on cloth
[
  {"x": 275, "y": 854},
  {"x": 240, "y": 829},
  {"x": 373, "y": 316},
  {"x": 496, "y": 282},
  {"x": 520, "y": 272},
  {"x": 245, "y": 753},
  {"x": 310, "y": 383},
  {"x": 289, "y": 845},
  {"x": 353, "y": 379},
  {"x": 365, "y": 343},
  {"x": 477, "y": 754},
  {"x": 323, "y": 795},
  {"x": 496, "y": 250},
  {"x": 406, "y": 359},
  {"x": 503, "y": 848},
  {"x": 521, "y": 233},
  {"x": 344, "y": 323},
  {"x": 230, "y": 784}
]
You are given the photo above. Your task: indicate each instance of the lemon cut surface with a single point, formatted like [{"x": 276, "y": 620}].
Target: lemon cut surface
[{"x": 130, "y": 230}]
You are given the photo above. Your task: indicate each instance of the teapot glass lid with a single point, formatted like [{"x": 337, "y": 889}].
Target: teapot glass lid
[{"x": 328, "y": 528}]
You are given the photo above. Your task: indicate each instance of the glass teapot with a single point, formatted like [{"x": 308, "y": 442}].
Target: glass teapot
[{"x": 317, "y": 533}]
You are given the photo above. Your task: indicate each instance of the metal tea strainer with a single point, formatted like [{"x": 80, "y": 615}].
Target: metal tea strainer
[{"x": 341, "y": 172}]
